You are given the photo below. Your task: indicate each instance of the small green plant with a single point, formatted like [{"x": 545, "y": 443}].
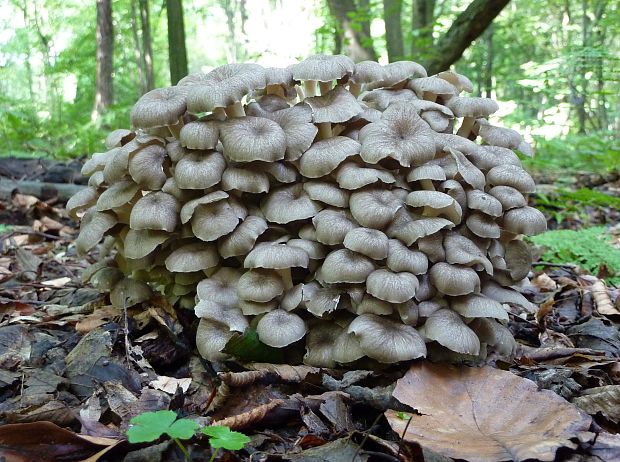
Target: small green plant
[
  {"x": 590, "y": 248},
  {"x": 562, "y": 203},
  {"x": 150, "y": 426},
  {"x": 5, "y": 228}
]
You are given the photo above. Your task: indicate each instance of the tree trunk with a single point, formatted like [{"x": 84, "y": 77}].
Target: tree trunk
[
  {"x": 137, "y": 48},
  {"x": 422, "y": 22},
  {"x": 105, "y": 49},
  {"x": 147, "y": 47},
  {"x": 176, "y": 41},
  {"x": 392, "y": 11},
  {"x": 466, "y": 28},
  {"x": 353, "y": 39},
  {"x": 488, "y": 64}
]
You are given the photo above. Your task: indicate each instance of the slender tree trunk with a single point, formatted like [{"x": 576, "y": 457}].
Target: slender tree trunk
[
  {"x": 466, "y": 28},
  {"x": 354, "y": 40},
  {"x": 392, "y": 12},
  {"x": 488, "y": 63},
  {"x": 105, "y": 49},
  {"x": 582, "y": 90},
  {"x": 422, "y": 21},
  {"x": 176, "y": 41},
  {"x": 137, "y": 48},
  {"x": 147, "y": 47}
]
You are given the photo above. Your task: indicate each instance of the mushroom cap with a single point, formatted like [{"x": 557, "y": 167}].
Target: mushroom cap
[
  {"x": 524, "y": 220},
  {"x": 374, "y": 208},
  {"x": 472, "y": 106},
  {"x": 487, "y": 157},
  {"x": 212, "y": 221},
  {"x": 247, "y": 139},
  {"x": 508, "y": 196},
  {"x": 289, "y": 203},
  {"x": 158, "y": 107},
  {"x": 244, "y": 180},
  {"x": 518, "y": 257},
  {"x": 140, "y": 243},
  {"x": 401, "y": 135},
  {"x": 352, "y": 175},
  {"x": 221, "y": 287},
  {"x": 385, "y": 340},
  {"x": 146, "y": 167},
  {"x": 511, "y": 175},
  {"x": 328, "y": 193},
  {"x": 409, "y": 228},
  {"x": 82, "y": 200},
  {"x": 200, "y": 134},
  {"x": 426, "y": 172},
  {"x": 315, "y": 250},
  {"x": 454, "y": 279},
  {"x": 494, "y": 334},
  {"x": 367, "y": 72},
  {"x": 392, "y": 287},
  {"x": 196, "y": 256},
  {"x": 260, "y": 285},
  {"x": 230, "y": 316},
  {"x": 401, "y": 258},
  {"x": 437, "y": 203},
  {"x": 372, "y": 305},
  {"x": 345, "y": 266},
  {"x": 94, "y": 225},
  {"x": 483, "y": 225},
  {"x": 275, "y": 256},
  {"x": 381, "y": 98},
  {"x": 211, "y": 339},
  {"x": 331, "y": 226},
  {"x": 325, "y": 156},
  {"x": 432, "y": 85},
  {"x": 485, "y": 203},
  {"x": 468, "y": 171},
  {"x": 448, "y": 329},
  {"x": 189, "y": 208},
  {"x": 506, "y": 295},
  {"x": 370, "y": 242},
  {"x": 463, "y": 251},
  {"x": 117, "y": 195},
  {"x": 118, "y": 137},
  {"x": 156, "y": 210},
  {"x": 498, "y": 136},
  {"x": 336, "y": 106},
  {"x": 243, "y": 238},
  {"x": 321, "y": 300},
  {"x": 478, "y": 306},
  {"x": 320, "y": 344},
  {"x": 346, "y": 348},
  {"x": 461, "y": 82},
  {"x": 199, "y": 170},
  {"x": 279, "y": 328},
  {"x": 323, "y": 68},
  {"x": 129, "y": 292},
  {"x": 397, "y": 72}
]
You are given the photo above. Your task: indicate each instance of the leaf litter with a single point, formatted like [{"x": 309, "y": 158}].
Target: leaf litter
[{"x": 72, "y": 373}]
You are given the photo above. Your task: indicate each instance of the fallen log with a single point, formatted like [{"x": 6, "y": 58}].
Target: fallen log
[{"x": 44, "y": 191}]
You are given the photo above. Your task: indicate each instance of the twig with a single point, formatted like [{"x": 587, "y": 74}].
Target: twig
[{"x": 555, "y": 265}]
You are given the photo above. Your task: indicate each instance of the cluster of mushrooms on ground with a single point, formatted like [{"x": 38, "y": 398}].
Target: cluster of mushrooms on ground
[{"x": 367, "y": 213}]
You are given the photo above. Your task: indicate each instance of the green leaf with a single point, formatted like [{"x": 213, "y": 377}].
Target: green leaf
[
  {"x": 150, "y": 426},
  {"x": 249, "y": 348},
  {"x": 223, "y": 437}
]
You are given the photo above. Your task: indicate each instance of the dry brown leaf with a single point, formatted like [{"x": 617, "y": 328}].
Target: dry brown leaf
[
  {"x": 250, "y": 418},
  {"x": 483, "y": 414},
  {"x": 285, "y": 372},
  {"x": 602, "y": 300},
  {"x": 605, "y": 400},
  {"x": 544, "y": 282}
]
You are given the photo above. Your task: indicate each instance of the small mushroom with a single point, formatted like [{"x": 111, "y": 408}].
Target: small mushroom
[{"x": 279, "y": 328}]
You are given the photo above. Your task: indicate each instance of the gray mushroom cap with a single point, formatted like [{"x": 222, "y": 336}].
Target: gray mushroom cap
[
  {"x": 385, "y": 340},
  {"x": 345, "y": 266},
  {"x": 392, "y": 287},
  {"x": 159, "y": 107},
  {"x": 370, "y": 242},
  {"x": 323, "y": 68},
  {"x": 247, "y": 139},
  {"x": 525, "y": 220},
  {"x": 454, "y": 279},
  {"x": 280, "y": 328},
  {"x": 448, "y": 329},
  {"x": 326, "y": 155},
  {"x": 156, "y": 210}
]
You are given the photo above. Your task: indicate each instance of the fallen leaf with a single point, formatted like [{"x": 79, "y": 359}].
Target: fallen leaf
[
  {"x": 170, "y": 384},
  {"x": 605, "y": 400},
  {"x": 342, "y": 450},
  {"x": 484, "y": 414},
  {"x": 47, "y": 442},
  {"x": 606, "y": 447},
  {"x": 57, "y": 283},
  {"x": 544, "y": 282}
]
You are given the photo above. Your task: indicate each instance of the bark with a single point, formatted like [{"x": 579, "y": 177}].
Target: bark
[
  {"x": 488, "y": 64},
  {"x": 422, "y": 22},
  {"x": 105, "y": 49},
  {"x": 137, "y": 48},
  {"x": 582, "y": 95},
  {"x": 392, "y": 11},
  {"x": 466, "y": 28},
  {"x": 352, "y": 39},
  {"x": 38, "y": 189},
  {"x": 177, "y": 51},
  {"x": 147, "y": 47}
]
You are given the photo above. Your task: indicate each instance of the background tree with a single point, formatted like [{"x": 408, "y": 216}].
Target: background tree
[
  {"x": 105, "y": 49},
  {"x": 177, "y": 52},
  {"x": 352, "y": 32}
]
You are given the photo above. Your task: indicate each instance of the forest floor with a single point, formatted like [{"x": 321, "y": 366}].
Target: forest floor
[{"x": 74, "y": 370}]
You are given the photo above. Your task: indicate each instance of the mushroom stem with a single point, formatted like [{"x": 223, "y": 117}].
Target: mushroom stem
[
  {"x": 429, "y": 96},
  {"x": 300, "y": 93},
  {"x": 466, "y": 126},
  {"x": 175, "y": 129},
  {"x": 326, "y": 87},
  {"x": 309, "y": 88},
  {"x": 275, "y": 90},
  {"x": 325, "y": 130},
  {"x": 287, "y": 278},
  {"x": 235, "y": 110},
  {"x": 219, "y": 113},
  {"x": 506, "y": 236},
  {"x": 431, "y": 212},
  {"x": 427, "y": 185},
  {"x": 355, "y": 89}
]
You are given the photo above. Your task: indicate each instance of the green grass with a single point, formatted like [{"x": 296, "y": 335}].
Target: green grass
[
  {"x": 5, "y": 228},
  {"x": 563, "y": 203},
  {"x": 589, "y": 248}
]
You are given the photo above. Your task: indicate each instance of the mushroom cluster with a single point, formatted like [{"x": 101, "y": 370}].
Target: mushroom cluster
[{"x": 355, "y": 210}]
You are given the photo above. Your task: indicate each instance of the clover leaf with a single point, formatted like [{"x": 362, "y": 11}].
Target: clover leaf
[
  {"x": 149, "y": 426},
  {"x": 223, "y": 437}
]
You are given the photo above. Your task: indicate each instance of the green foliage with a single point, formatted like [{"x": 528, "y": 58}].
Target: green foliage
[
  {"x": 598, "y": 152},
  {"x": 221, "y": 437},
  {"x": 150, "y": 426},
  {"x": 589, "y": 248},
  {"x": 5, "y": 228},
  {"x": 562, "y": 203}
]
